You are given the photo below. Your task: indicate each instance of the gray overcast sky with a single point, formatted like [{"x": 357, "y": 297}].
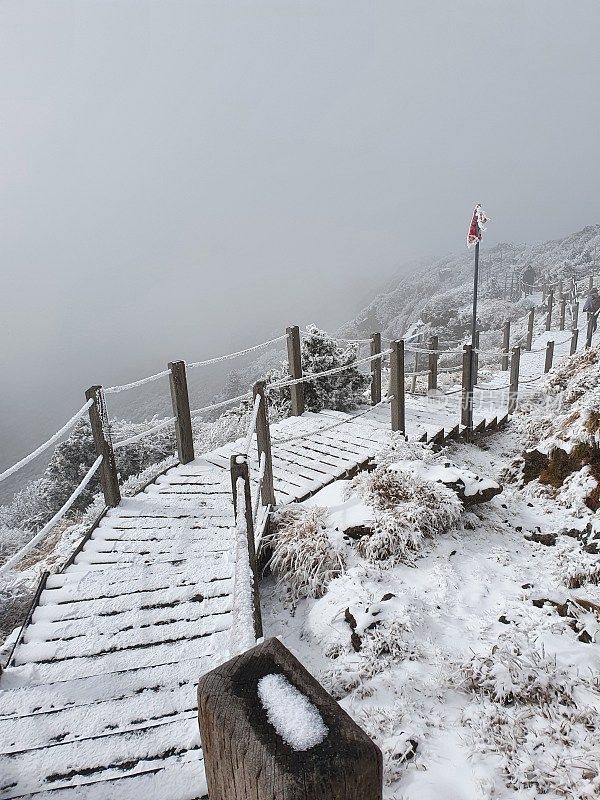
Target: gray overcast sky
[{"x": 179, "y": 178}]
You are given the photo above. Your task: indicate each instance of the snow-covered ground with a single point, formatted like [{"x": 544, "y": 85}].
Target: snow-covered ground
[{"x": 462, "y": 653}]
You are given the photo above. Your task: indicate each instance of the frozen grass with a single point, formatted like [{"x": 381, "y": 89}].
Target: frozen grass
[
  {"x": 303, "y": 554},
  {"x": 407, "y": 509}
]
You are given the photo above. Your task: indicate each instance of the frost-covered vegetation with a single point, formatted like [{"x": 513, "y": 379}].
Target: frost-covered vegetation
[{"x": 470, "y": 654}]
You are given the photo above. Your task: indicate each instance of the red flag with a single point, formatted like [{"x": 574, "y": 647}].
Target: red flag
[{"x": 477, "y": 226}]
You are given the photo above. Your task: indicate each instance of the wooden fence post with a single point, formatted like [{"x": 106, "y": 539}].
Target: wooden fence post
[
  {"x": 590, "y": 283},
  {"x": 530, "y": 319},
  {"x": 413, "y": 380},
  {"x": 109, "y": 479},
  {"x": 549, "y": 356},
  {"x": 466, "y": 416},
  {"x": 549, "y": 310},
  {"x": 397, "y": 388},
  {"x": 294, "y": 349},
  {"x": 181, "y": 411},
  {"x": 432, "y": 377},
  {"x": 239, "y": 469},
  {"x": 376, "y": 369},
  {"x": 575, "y": 314},
  {"x": 590, "y": 330},
  {"x": 513, "y": 392},
  {"x": 574, "y": 338},
  {"x": 505, "y": 344},
  {"x": 563, "y": 310},
  {"x": 263, "y": 441},
  {"x": 249, "y": 746}
]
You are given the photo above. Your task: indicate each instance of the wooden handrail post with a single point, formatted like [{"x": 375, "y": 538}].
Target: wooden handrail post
[
  {"x": 530, "y": 320},
  {"x": 476, "y": 359},
  {"x": 575, "y": 314},
  {"x": 574, "y": 339},
  {"x": 375, "y": 369},
  {"x": 549, "y": 356},
  {"x": 513, "y": 392},
  {"x": 397, "y": 388},
  {"x": 432, "y": 378},
  {"x": 549, "y": 310},
  {"x": 239, "y": 469},
  {"x": 466, "y": 408},
  {"x": 563, "y": 311},
  {"x": 505, "y": 344},
  {"x": 180, "y": 402},
  {"x": 294, "y": 349},
  {"x": 590, "y": 331},
  {"x": 590, "y": 283},
  {"x": 109, "y": 479},
  {"x": 263, "y": 440},
  {"x": 249, "y": 748},
  {"x": 413, "y": 380}
]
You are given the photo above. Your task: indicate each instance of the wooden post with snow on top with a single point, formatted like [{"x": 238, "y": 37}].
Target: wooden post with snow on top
[
  {"x": 549, "y": 356},
  {"x": 549, "y": 310},
  {"x": 269, "y": 730},
  {"x": 505, "y": 344},
  {"x": 530, "y": 320},
  {"x": 513, "y": 392},
  {"x": 180, "y": 402},
  {"x": 432, "y": 377},
  {"x": 376, "y": 369},
  {"x": 109, "y": 479},
  {"x": 294, "y": 349},
  {"x": 397, "y": 388}
]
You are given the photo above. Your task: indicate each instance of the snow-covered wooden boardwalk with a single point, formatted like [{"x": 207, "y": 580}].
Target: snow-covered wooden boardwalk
[{"x": 100, "y": 699}]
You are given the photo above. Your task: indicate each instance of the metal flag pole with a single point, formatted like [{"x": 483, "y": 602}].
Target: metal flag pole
[{"x": 475, "y": 285}]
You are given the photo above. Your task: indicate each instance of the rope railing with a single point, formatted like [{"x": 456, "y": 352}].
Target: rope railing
[
  {"x": 308, "y": 335},
  {"x": 221, "y": 404},
  {"x": 139, "y": 436},
  {"x": 251, "y": 427},
  {"x": 316, "y": 375},
  {"x": 48, "y": 443},
  {"x": 142, "y": 382},
  {"x": 239, "y": 353},
  {"x": 14, "y": 559},
  {"x": 259, "y": 485}
]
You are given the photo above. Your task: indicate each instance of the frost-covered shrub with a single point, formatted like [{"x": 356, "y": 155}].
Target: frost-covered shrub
[
  {"x": 552, "y": 751},
  {"x": 343, "y": 391},
  {"x": 515, "y": 671},
  {"x": 304, "y": 557},
  {"x": 407, "y": 509}
]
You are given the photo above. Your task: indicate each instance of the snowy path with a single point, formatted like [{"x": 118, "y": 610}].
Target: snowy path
[{"x": 100, "y": 701}]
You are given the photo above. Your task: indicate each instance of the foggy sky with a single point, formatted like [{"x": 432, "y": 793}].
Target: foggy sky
[{"x": 183, "y": 178}]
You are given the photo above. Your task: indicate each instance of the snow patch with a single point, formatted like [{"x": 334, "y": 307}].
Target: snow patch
[{"x": 292, "y": 714}]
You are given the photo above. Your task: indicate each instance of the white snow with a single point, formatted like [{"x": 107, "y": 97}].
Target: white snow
[{"x": 291, "y": 713}]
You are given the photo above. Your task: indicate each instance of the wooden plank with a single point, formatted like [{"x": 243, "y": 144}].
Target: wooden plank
[
  {"x": 183, "y": 774},
  {"x": 99, "y": 664},
  {"x": 88, "y": 646},
  {"x": 72, "y": 763}
]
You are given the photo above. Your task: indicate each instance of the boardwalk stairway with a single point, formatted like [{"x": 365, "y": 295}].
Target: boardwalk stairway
[{"x": 101, "y": 699}]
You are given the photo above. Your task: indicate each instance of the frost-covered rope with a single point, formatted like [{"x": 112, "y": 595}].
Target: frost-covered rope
[
  {"x": 55, "y": 519},
  {"x": 531, "y": 380},
  {"x": 307, "y": 335},
  {"x": 141, "y": 382},
  {"x": 67, "y": 426},
  {"x": 417, "y": 374},
  {"x": 308, "y": 434},
  {"x": 491, "y": 388},
  {"x": 138, "y": 436},
  {"x": 236, "y": 355},
  {"x": 316, "y": 375},
  {"x": 221, "y": 404},
  {"x": 251, "y": 426},
  {"x": 426, "y": 351},
  {"x": 261, "y": 477}
]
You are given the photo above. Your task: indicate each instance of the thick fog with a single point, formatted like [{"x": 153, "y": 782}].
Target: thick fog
[{"x": 183, "y": 178}]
